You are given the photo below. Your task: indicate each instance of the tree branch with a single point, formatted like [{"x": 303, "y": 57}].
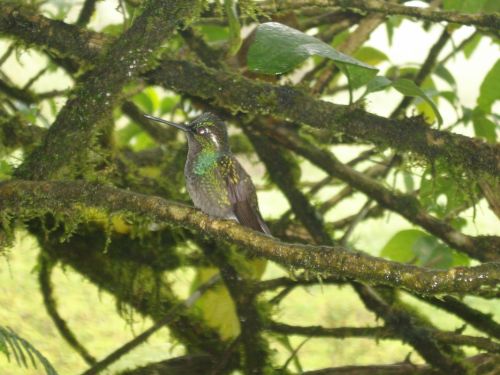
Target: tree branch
[
  {"x": 25, "y": 199},
  {"x": 488, "y": 20},
  {"x": 51, "y": 307},
  {"x": 238, "y": 93},
  {"x": 381, "y": 333},
  {"x": 483, "y": 363},
  {"x": 480, "y": 247}
]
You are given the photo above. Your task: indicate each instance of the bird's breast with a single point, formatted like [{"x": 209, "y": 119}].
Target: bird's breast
[{"x": 208, "y": 190}]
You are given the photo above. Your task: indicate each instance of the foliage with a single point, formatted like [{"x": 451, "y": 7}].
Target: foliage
[
  {"x": 24, "y": 353},
  {"x": 377, "y": 177}
]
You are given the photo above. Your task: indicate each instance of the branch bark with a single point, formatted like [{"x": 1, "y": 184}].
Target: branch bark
[
  {"x": 25, "y": 199},
  {"x": 488, "y": 20}
]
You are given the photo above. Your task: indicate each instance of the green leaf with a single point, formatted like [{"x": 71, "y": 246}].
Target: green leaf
[
  {"x": 234, "y": 27},
  {"x": 489, "y": 92},
  {"x": 418, "y": 247},
  {"x": 5, "y": 170},
  {"x": 442, "y": 72},
  {"x": 460, "y": 259},
  {"x": 471, "y": 46},
  {"x": 214, "y": 33},
  {"x": 148, "y": 100},
  {"x": 113, "y": 29},
  {"x": 408, "y": 182},
  {"x": 278, "y": 49},
  {"x": 370, "y": 55},
  {"x": 400, "y": 247},
  {"x": 391, "y": 23},
  {"x": 483, "y": 127},
  {"x": 125, "y": 135},
  {"x": 431, "y": 253},
  {"x": 441, "y": 193},
  {"x": 409, "y": 88},
  {"x": 168, "y": 103},
  {"x": 378, "y": 83},
  {"x": 450, "y": 97},
  {"x": 12, "y": 344}
]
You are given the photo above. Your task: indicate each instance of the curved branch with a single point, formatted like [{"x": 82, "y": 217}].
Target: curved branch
[
  {"x": 238, "y": 93},
  {"x": 479, "y": 247},
  {"x": 25, "y": 199},
  {"x": 477, "y": 319},
  {"x": 379, "y": 333},
  {"x": 50, "y": 305},
  {"x": 483, "y": 363}
]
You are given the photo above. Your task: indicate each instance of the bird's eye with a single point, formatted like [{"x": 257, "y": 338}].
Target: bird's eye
[{"x": 201, "y": 130}]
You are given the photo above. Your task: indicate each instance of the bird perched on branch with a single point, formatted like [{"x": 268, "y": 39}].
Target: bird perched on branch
[{"x": 219, "y": 186}]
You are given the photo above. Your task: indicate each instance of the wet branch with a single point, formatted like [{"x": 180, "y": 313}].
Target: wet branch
[
  {"x": 25, "y": 199},
  {"x": 381, "y": 333},
  {"x": 488, "y": 20},
  {"x": 51, "y": 307}
]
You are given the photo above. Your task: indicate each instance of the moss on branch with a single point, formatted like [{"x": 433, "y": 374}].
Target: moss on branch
[
  {"x": 381, "y": 333},
  {"x": 486, "y": 20},
  {"x": 25, "y": 199},
  {"x": 238, "y": 93},
  {"x": 485, "y": 248}
]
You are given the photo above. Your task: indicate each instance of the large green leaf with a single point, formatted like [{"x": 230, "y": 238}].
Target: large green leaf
[
  {"x": 489, "y": 92},
  {"x": 409, "y": 88},
  {"x": 278, "y": 48}
]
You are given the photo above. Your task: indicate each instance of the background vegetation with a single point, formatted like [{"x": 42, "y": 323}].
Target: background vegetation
[{"x": 369, "y": 129}]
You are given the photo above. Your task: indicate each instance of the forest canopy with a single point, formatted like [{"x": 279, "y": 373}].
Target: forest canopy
[{"x": 369, "y": 130}]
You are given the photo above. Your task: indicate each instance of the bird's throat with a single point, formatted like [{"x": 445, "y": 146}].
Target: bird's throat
[{"x": 205, "y": 162}]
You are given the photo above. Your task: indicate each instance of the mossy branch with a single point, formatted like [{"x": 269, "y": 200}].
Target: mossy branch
[
  {"x": 484, "y": 363},
  {"x": 487, "y": 20},
  {"x": 25, "y": 199},
  {"x": 485, "y": 248},
  {"x": 49, "y": 301},
  {"x": 381, "y": 333}
]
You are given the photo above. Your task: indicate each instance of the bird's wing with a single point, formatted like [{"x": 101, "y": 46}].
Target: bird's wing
[{"x": 242, "y": 196}]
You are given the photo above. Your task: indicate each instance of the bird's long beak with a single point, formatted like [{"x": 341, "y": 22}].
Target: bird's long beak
[{"x": 174, "y": 124}]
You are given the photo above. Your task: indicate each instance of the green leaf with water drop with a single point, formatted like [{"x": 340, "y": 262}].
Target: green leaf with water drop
[{"x": 278, "y": 48}]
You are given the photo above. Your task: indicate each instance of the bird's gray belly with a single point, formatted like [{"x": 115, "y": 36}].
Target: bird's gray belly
[{"x": 210, "y": 198}]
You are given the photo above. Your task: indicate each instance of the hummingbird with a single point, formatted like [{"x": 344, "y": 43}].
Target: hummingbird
[{"x": 215, "y": 180}]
